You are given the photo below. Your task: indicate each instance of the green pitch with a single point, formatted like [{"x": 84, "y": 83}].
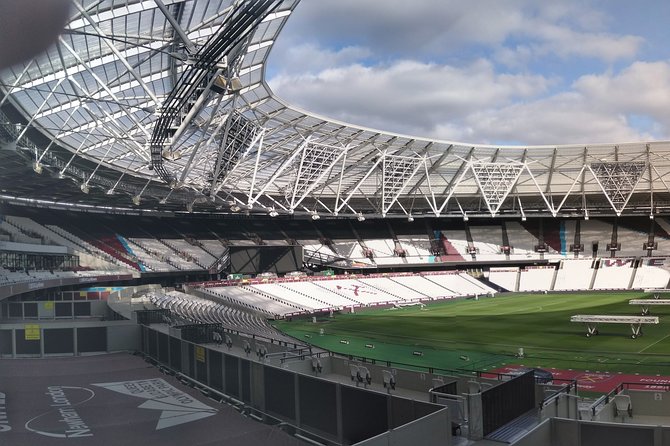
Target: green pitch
[{"x": 487, "y": 333}]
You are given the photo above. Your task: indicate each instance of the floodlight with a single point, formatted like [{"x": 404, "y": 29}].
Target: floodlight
[
  {"x": 360, "y": 217},
  {"x": 315, "y": 216},
  {"x": 37, "y": 167},
  {"x": 84, "y": 188},
  {"x": 273, "y": 213},
  {"x": 110, "y": 192},
  {"x": 410, "y": 218},
  {"x": 236, "y": 84},
  {"x": 465, "y": 217},
  {"x": 136, "y": 200}
]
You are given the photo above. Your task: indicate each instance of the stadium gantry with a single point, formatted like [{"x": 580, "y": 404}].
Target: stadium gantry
[{"x": 165, "y": 105}]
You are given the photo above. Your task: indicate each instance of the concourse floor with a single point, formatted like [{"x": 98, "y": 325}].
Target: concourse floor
[{"x": 115, "y": 399}]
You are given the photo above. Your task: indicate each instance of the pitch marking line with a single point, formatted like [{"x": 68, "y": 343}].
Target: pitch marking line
[{"x": 651, "y": 345}]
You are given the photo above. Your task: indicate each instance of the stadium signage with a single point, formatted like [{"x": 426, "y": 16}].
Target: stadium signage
[
  {"x": 35, "y": 285},
  {"x": 656, "y": 261},
  {"x": 4, "y": 420},
  {"x": 63, "y": 420},
  {"x": 617, "y": 262},
  {"x": 176, "y": 406}
]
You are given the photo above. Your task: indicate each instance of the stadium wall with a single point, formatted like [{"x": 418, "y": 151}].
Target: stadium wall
[{"x": 339, "y": 413}]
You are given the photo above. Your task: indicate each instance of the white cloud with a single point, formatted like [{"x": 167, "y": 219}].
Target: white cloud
[
  {"x": 439, "y": 28},
  {"x": 641, "y": 88},
  {"x": 427, "y": 68},
  {"x": 309, "y": 58},
  {"x": 561, "y": 119},
  {"x": 566, "y": 42},
  {"x": 598, "y": 108},
  {"x": 407, "y": 96}
]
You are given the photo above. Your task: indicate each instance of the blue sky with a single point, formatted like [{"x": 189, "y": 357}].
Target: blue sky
[{"x": 482, "y": 71}]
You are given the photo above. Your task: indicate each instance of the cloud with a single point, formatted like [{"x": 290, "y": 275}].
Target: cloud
[
  {"x": 406, "y": 96},
  {"x": 641, "y": 88},
  {"x": 307, "y": 58},
  {"x": 463, "y": 71},
  {"x": 562, "y": 119},
  {"x": 598, "y": 108},
  {"x": 445, "y": 28}
]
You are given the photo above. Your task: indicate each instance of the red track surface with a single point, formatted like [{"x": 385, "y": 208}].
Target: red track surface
[{"x": 594, "y": 381}]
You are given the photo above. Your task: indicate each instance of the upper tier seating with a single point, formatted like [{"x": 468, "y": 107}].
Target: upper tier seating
[
  {"x": 458, "y": 241},
  {"x": 198, "y": 255},
  {"x": 487, "y": 241},
  {"x": 595, "y": 231},
  {"x": 417, "y": 249},
  {"x": 521, "y": 241},
  {"x": 631, "y": 242},
  {"x": 153, "y": 261}
]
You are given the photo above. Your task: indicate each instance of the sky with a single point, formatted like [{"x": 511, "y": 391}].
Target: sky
[{"x": 482, "y": 71}]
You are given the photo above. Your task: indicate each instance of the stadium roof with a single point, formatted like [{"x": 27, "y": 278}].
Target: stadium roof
[{"x": 163, "y": 104}]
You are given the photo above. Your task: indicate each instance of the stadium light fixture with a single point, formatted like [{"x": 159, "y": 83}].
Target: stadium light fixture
[
  {"x": 465, "y": 217},
  {"x": 235, "y": 208},
  {"x": 110, "y": 192},
  {"x": 37, "y": 167},
  {"x": 360, "y": 217},
  {"x": 84, "y": 188},
  {"x": 651, "y": 216},
  {"x": 315, "y": 216},
  {"x": 273, "y": 213},
  {"x": 586, "y": 214},
  {"x": 137, "y": 200},
  {"x": 410, "y": 218}
]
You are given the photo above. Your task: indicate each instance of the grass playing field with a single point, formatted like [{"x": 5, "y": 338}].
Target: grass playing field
[{"x": 487, "y": 333}]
